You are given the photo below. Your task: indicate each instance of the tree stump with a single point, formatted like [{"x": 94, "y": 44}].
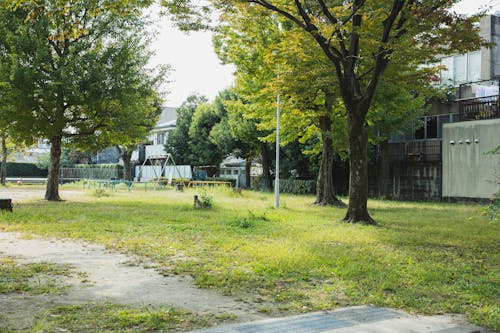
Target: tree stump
[
  {"x": 197, "y": 203},
  {"x": 6, "y": 204}
]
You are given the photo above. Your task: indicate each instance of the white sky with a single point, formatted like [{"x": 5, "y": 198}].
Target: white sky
[{"x": 196, "y": 67}]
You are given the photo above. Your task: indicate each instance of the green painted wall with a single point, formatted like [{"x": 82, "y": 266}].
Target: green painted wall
[{"x": 468, "y": 171}]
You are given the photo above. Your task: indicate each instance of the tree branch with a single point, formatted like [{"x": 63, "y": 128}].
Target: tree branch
[{"x": 270, "y": 6}]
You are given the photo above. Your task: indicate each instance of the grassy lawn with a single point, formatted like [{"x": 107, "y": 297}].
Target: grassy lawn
[{"x": 421, "y": 257}]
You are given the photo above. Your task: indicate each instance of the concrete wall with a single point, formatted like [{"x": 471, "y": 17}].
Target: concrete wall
[
  {"x": 413, "y": 181},
  {"x": 490, "y": 58},
  {"x": 467, "y": 168}
]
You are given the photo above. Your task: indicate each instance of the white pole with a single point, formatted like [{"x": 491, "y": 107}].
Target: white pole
[{"x": 277, "y": 172}]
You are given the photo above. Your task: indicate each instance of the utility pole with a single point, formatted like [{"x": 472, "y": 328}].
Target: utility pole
[{"x": 277, "y": 172}]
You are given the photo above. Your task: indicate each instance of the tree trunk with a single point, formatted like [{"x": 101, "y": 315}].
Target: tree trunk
[
  {"x": 248, "y": 169},
  {"x": 127, "y": 167},
  {"x": 52, "y": 193},
  {"x": 3, "y": 170},
  {"x": 357, "y": 212},
  {"x": 266, "y": 168},
  {"x": 383, "y": 174},
  {"x": 325, "y": 193}
]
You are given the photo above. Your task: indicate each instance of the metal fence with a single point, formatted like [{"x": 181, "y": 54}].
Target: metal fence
[
  {"x": 91, "y": 173},
  {"x": 423, "y": 150}
]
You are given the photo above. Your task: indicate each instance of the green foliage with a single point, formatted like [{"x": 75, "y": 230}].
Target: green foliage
[
  {"x": 177, "y": 142},
  {"x": 15, "y": 169},
  {"x": 79, "y": 65},
  {"x": 206, "y": 200},
  {"x": 493, "y": 209},
  {"x": 99, "y": 166},
  {"x": 362, "y": 45},
  {"x": 223, "y": 179},
  {"x": 297, "y": 186},
  {"x": 202, "y": 150},
  {"x": 427, "y": 258},
  {"x": 250, "y": 221}
]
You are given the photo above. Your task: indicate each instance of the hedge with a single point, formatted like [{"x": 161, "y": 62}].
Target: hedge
[
  {"x": 15, "y": 169},
  {"x": 98, "y": 166},
  {"x": 222, "y": 179}
]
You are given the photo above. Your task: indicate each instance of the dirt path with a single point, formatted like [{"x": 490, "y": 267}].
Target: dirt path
[
  {"x": 20, "y": 193},
  {"x": 109, "y": 277}
]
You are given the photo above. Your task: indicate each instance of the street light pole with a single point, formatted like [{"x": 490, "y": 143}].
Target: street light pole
[{"x": 277, "y": 172}]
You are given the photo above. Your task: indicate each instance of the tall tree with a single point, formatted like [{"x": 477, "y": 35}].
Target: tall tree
[
  {"x": 203, "y": 146},
  {"x": 72, "y": 69},
  {"x": 249, "y": 143},
  {"x": 360, "y": 39},
  {"x": 177, "y": 141}
]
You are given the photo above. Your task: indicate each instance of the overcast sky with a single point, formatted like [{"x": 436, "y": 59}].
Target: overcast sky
[{"x": 196, "y": 67}]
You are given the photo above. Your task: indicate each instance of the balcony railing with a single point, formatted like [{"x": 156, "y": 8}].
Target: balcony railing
[
  {"x": 413, "y": 151},
  {"x": 479, "y": 108}
]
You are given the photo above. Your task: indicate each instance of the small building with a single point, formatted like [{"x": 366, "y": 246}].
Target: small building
[
  {"x": 151, "y": 159},
  {"x": 418, "y": 165},
  {"x": 235, "y": 168}
]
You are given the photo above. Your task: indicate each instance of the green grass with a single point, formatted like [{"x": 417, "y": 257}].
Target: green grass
[
  {"x": 110, "y": 318},
  {"x": 119, "y": 318},
  {"x": 33, "y": 278},
  {"x": 425, "y": 258}
]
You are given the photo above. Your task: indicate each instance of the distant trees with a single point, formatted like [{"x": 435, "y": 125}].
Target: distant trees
[
  {"x": 76, "y": 74},
  {"x": 178, "y": 139}
]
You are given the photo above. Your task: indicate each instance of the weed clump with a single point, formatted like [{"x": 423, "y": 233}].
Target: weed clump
[
  {"x": 251, "y": 220},
  {"x": 204, "y": 200},
  {"x": 100, "y": 193}
]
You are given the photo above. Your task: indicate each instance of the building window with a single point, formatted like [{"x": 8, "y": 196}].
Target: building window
[
  {"x": 235, "y": 172},
  {"x": 431, "y": 127},
  {"x": 161, "y": 138},
  {"x": 474, "y": 66},
  {"x": 460, "y": 68},
  {"x": 447, "y": 72}
]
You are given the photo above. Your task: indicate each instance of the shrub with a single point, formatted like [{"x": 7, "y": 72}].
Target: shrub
[
  {"x": 493, "y": 209},
  {"x": 222, "y": 179},
  {"x": 15, "y": 169},
  {"x": 206, "y": 200},
  {"x": 297, "y": 186},
  {"x": 98, "y": 166}
]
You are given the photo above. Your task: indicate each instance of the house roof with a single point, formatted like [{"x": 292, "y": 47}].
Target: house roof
[
  {"x": 232, "y": 161},
  {"x": 168, "y": 119}
]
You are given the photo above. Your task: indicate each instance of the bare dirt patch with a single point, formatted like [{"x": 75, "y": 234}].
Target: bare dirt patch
[
  {"x": 107, "y": 277},
  {"x": 26, "y": 193}
]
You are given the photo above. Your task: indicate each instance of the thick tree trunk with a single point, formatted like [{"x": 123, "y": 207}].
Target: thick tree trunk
[
  {"x": 3, "y": 169},
  {"x": 248, "y": 169},
  {"x": 52, "y": 192},
  {"x": 127, "y": 167},
  {"x": 357, "y": 211},
  {"x": 383, "y": 173},
  {"x": 266, "y": 168},
  {"x": 325, "y": 193}
]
